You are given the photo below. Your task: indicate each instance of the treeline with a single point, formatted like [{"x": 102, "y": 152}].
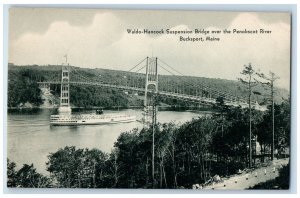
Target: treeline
[
  {"x": 90, "y": 96},
  {"x": 97, "y": 96},
  {"x": 184, "y": 155},
  {"x": 22, "y": 87}
]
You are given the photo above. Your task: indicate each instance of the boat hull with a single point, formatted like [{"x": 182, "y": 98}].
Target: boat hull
[{"x": 72, "y": 120}]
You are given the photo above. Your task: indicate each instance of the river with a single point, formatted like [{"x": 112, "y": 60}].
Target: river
[{"x": 30, "y": 138}]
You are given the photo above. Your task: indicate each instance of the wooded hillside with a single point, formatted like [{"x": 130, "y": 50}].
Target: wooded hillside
[{"x": 22, "y": 87}]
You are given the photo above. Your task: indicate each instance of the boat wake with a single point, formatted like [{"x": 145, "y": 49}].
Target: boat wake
[{"x": 25, "y": 125}]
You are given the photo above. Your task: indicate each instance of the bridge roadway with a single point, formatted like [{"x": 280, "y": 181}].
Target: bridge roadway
[
  {"x": 249, "y": 179},
  {"x": 180, "y": 96}
]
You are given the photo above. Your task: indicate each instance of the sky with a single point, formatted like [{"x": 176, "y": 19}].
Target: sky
[{"x": 95, "y": 38}]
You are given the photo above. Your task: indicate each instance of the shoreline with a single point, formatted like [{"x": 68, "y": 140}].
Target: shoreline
[{"x": 167, "y": 108}]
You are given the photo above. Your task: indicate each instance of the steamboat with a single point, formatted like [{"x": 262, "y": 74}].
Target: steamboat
[{"x": 90, "y": 119}]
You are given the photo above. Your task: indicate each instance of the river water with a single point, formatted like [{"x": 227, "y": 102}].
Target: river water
[{"x": 30, "y": 138}]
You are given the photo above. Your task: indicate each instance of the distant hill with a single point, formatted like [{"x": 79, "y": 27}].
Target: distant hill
[{"x": 97, "y": 96}]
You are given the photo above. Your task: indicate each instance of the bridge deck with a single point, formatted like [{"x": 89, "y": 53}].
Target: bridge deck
[{"x": 192, "y": 98}]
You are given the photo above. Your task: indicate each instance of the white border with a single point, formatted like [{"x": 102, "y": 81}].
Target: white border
[{"x": 134, "y": 5}]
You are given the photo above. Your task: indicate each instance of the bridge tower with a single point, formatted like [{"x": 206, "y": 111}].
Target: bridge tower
[
  {"x": 65, "y": 90},
  {"x": 151, "y": 85},
  {"x": 150, "y": 104}
]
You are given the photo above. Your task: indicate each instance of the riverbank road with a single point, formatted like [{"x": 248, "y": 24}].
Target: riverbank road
[{"x": 251, "y": 178}]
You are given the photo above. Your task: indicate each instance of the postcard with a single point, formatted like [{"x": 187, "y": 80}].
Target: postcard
[{"x": 148, "y": 99}]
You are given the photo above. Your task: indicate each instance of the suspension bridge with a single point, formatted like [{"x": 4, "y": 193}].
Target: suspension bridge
[{"x": 145, "y": 78}]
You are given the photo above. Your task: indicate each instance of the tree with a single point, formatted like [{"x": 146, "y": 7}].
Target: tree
[
  {"x": 22, "y": 88},
  {"x": 129, "y": 157},
  {"x": 11, "y": 174},
  {"x": 164, "y": 140},
  {"x": 28, "y": 178},
  {"x": 222, "y": 106},
  {"x": 95, "y": 168},
  {"x": 248, "y": 80},
  {"x": 113, "y": 168},
  {"x": 271, "y": 79},
  {"x": 192, "y": 150},
  {"x": 77, "y": 168},
  {"x": 281, "y": 126}
]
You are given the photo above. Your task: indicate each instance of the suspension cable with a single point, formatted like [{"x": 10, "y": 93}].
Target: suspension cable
[
  {"x": 137, "y": 65},
  {"x": 140, "y": 69},
  {"x": 203, "y": 85}
]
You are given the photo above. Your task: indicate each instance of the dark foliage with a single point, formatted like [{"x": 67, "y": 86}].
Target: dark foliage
[
  {"x": 77, "y": 168},
  {"x": 26, "y": 177},
  {"x": 22, "y": 88}
]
